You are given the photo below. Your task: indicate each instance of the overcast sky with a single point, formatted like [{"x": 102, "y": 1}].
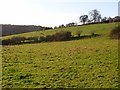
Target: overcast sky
[{"x": 52, "y": 12}]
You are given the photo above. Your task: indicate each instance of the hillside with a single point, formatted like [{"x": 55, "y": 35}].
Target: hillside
[
  {"x": 83, "y": 63},
  {"x": 86, "y": 30},
  {"x": 8, "y": 29}
]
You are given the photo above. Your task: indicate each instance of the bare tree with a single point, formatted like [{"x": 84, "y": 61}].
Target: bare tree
[
  {"x": 95, "y": 15},
  {"x": 99, "y": 18}
]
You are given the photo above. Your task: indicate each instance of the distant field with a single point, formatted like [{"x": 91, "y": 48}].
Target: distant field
[
  {"x": 86, "y": 30},
  {"x": 84, "y": 63}
]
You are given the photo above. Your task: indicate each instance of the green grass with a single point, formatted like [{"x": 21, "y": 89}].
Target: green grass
[
  {"x": 85, "y": 63},
  {"x": 86, "y": 30}
]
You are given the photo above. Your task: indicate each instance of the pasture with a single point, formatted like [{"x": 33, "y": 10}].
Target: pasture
[{"x": 83, "y": 63}]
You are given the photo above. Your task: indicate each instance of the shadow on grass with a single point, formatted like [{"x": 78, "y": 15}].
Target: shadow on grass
[
  {"x": 72, "y": 38},
  {"x": 85, "y": 37}
]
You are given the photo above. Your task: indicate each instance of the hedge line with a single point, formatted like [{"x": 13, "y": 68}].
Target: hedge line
[{"x": 59, "y": 36}]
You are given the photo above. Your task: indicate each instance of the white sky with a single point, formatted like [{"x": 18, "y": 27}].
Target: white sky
[{"x": 51, "y": 12}]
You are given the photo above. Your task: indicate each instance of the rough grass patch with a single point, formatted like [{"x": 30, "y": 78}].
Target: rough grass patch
[
  {"x": 115, "y": 33},
  {"x": 78, "y": 32}
]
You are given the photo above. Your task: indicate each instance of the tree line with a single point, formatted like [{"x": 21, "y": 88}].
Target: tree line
[{"x": 93, "y": 17}]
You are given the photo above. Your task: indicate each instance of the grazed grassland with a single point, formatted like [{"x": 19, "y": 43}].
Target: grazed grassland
[
  {"x": 84, "y": 63},
  {"x": 86, "y": 30}
]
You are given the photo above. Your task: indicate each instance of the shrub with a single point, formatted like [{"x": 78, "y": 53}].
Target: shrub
[
  {"x": 62, "y": 36},
  {"x": 33, "y": 39},
  {"x": 29, "y": 38},
  {"x": 0, "y": 41},
  {"x": 13, "y": 40},
  {"x": 59, "y": 36},
  {"x": 50, "y": 37},
  {"x": 36, "y": 39},
  {"x": 17, "y": 40},
  {"x": 42, "y": 39},
  {"x": 115, "y": 33},
  {"x": 6, "y": 42}
]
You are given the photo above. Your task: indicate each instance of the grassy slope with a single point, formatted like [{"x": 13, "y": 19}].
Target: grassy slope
[
  {"x": 88, "y": 63},
  {"x": 86, "y": 30}
]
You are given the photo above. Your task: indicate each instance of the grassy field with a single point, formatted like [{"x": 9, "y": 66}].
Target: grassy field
[
  {"x": 84, "y": 63},
  {"x": 86, "y": 30}
]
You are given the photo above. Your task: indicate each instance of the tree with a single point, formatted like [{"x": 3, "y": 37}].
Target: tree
[
  {"x": 110, "y": 19},
  {"x": 70, "y": 24},
  {"x": 61, "y": 26},
  {"x": 83, "y": 18},
  {"x": 116, "y": 19},
  {"x": 55, "y": 27},
  {"x": 99, "y": 18},
  {"x": 89, "y": 21},
  {"x": 104, "y": 19},
  {"x": 95, "y": 15}
]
